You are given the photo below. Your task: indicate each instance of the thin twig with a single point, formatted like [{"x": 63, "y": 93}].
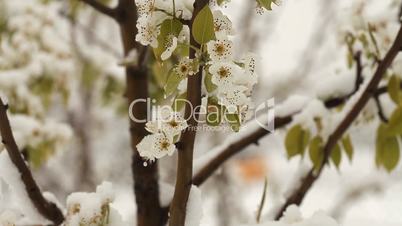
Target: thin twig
[
  {"x": 264, "y": 195},
  {"x": 102, "y": 8},
  {"x": 359, "y": 70},
  {"x": 47, "y": 209},
  {"x": 298, "y": 195},
  {"x": 380, "y": 110}
]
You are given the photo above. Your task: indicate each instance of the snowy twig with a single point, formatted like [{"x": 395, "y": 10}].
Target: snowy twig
[
  {"x": 228, "y": 150},
  {"x": 264, "y": 196},
  {"x": 47, "y": 209},
  {"x": 298, "y": 195},
  {"x": 185, "y": 154},
  {"x": 100, "y": 7}
]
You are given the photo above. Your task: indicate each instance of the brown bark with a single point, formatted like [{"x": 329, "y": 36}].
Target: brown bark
[
  {"x": 186, "y": 150},
  {"x": 146, "y": 188}
]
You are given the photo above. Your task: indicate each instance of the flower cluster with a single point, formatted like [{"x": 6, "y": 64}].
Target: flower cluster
[
  {"x": 234, "y": 79},
  {"x": 165, "y": 131},
  {"x": 152, "y": 13}
]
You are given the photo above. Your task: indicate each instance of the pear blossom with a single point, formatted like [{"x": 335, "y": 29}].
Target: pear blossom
[
  {"x": 249, "y": 77},
  {"x": 170, "y": 46},
  {"x": 224, "y": 74},
  {"x": 148, "y": 31},
  {"x": 144, "y": 7},
  {"x": 234, "y": 96},
  {"x": 222, "y": 24},
  {"x": 156, "y": 146},
  {"x": 186, "y": 67},
  {"x": 220, "y": 49},
  {"x": 174, "y": 124},
  {"x": 169, "y": 123}
]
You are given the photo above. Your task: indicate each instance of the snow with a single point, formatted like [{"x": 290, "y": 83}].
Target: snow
[
  {"x": 291, "y": 105},
  {"x": 10, "y": 175},
  {"x": 166, "y": 192},
  {"x": 84, "y": 208},
  {"x": 194, "y": 207},
  {"x": 292, "y": 216}
]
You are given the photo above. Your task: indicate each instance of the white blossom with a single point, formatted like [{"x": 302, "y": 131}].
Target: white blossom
[
  {"x": 168, "y": 122},
  {"x": 222, "y": 24},
  {"x": 148, "y": 31},
  {"x": 220, "y": 49},
  {"x": 224, "y": 74},
  {"x": 170, "y": 46},
  {"x": 156, "y": 146},
  {"x": 186, "y": 67},
  {"x": 233, "y": 97}
]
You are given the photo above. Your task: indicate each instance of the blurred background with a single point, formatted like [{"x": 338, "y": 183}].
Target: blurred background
[{"x": 59, "y": 71}]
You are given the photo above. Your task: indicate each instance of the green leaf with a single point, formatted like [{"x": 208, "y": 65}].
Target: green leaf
[
  {"x": 214, "y": 112},
  {"x": 209, "y": 86},
  {"x": 168, "y": 27},
  {"x": 315, "y": 152},
  {"x": 348, "y": 147},
  {"x": 395, "y": 122},
  {"x": 296, "y": 141},
  {"x": 179, "y": 102},
  {"x": 387, "y": 152},
  {"x": 336, "y": 155},
  {"x": 220, "y": 2},
  {"x": 234, "y": 121},
  {"x": 203, "y": 26},
  {"x": 160, "y": 72},
  {"x": 267, "y": 4},
  {"x": 172, "y": 82},
  {"x": 387, "y": 149},
  {"x": 394, "y": 89}
]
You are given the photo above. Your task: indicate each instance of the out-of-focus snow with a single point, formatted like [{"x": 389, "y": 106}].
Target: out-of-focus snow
[
  {"x": 293, "y": 216},
  {"x": 21, "y": 201},
  {"x": 194, "y": 207}
]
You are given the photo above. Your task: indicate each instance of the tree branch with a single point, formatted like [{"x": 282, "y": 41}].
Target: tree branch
[
  {"x": 47, "y": 209},
  {"x": 255, "y": 136},
  {"x": 185, "y": 154},
  {"x": 146, "y": 187},
  {"x": 299, "y": 194},
  {"x": 380, "y": 110},
  {"x": 100, "y": 7}
]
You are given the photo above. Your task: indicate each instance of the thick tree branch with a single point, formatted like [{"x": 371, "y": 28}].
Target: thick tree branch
[
  {"x": 47, "y": 209},
  {"x": 185, "y": 154},
  {"x": 146, "y": 188},
  {"x": 100, "y": 7},
  {"x": 299, "y": 194}
]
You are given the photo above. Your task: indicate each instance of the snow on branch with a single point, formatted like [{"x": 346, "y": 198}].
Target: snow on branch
[
  {"x": 298, "y": 195},
  {"x": 47, "y": 209}
]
